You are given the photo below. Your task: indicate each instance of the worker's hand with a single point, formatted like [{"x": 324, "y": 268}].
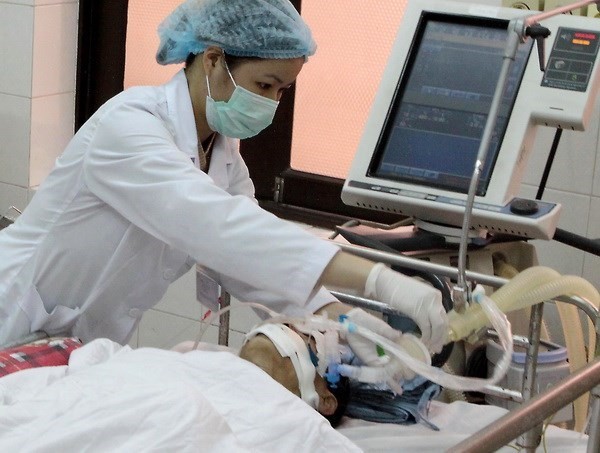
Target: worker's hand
[
  {"x": 373, "y": 356},
  {"x": 364, "y": 348},
  {"x": 414, "y": 347},
  {"x": 417, "y": 300}
]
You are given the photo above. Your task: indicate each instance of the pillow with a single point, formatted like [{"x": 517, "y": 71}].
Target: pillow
[{"x": 46, "y": 352}]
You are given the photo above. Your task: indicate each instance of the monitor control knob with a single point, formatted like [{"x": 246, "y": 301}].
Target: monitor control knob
[{"x": 522, "y": 206}]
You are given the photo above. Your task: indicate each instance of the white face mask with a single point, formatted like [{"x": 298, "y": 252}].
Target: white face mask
[{"x": 243, "y": 116}]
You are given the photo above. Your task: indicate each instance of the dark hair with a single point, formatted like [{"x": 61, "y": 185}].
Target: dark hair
[
  {"x": 190, "y": 59},
  {"x": 231, "y": 60},
  {"x": 341, "y": 391}
]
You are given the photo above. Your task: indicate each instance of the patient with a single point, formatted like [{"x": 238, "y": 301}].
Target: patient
[
  {"x": 329, "y": 401},
  {"x": 283, "y": 354},
  {"x": 291, "y": 358}
]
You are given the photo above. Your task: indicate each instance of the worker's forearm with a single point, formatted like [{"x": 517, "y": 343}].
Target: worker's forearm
[{"x": 347, "y": 272}]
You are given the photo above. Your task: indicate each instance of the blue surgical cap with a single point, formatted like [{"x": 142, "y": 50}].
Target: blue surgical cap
[{"x": 243, "y": 28}]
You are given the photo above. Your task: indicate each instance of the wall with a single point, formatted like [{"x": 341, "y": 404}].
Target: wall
[{"x": 38, "y": 40}]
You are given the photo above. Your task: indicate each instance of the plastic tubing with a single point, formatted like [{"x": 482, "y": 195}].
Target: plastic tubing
[
  {"x": 500, "y": 323},
  {"x": 531, "y": 286},
  {"x": 505, "y": 270},
  {"x": 406, "y": 357},
  {"x": 522, "y": 295},
  {"x": 565, "y": 285},
  {"x": 473, "y": 318},
  {"x": 569, "y": 317}
]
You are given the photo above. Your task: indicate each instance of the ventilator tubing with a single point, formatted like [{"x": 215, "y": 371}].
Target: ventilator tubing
[
  {"x": 532, "y": 286},
  {"x": 410, "y": 356},
  {"x": 473, "y": 318},
  {"x": 437, "y": 375}
]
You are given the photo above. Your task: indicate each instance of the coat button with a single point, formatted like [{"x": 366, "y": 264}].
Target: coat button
[
  {"x": 135, "y": 312},
  {"x": 168, "y": 274}
]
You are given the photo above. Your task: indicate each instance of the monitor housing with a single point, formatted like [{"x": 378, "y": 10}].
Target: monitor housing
[{"x": 419, "y": 146}]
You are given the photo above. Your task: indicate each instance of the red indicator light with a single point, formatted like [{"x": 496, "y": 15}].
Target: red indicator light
[{"x": 581, "y": 35}]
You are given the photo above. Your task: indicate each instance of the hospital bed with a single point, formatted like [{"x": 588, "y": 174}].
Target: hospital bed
[
  {"x": 109, "y": 392},
  {"x": 210, "y": 399},
  {"x": 113, "y": 398},
  {"x": 463, "y": 426},
  {"x": 525, "y": 420}
]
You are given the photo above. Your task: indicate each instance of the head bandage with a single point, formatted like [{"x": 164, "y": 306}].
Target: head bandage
[
  {"x": 290, "y": 344},
  {"x": 242, "y": 28}
]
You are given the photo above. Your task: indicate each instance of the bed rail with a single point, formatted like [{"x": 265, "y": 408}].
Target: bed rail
[
  {"x": 6, "y": 219},
  {"x": 535, "y": 411}
]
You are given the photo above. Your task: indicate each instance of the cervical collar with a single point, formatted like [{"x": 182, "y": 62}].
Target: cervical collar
[{"x": 290, "y": 344}]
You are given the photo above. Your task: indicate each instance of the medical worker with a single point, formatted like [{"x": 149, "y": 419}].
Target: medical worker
[{"x": 153, "y": 184}]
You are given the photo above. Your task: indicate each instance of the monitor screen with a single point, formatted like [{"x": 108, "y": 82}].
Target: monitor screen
[{"x": 433, "y": 132}]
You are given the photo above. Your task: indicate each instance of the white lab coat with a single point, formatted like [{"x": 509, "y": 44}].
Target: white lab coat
[{"x": 125, "y": 212}]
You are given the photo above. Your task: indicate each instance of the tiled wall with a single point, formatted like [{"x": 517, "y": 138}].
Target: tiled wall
[
  {"x": 37, "y": 80},
  {"x": 38, "y": 40},
  {"x": 575, "y": 183}
]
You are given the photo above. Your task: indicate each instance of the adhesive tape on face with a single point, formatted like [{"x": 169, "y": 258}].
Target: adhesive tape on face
[{"x": 290, "y": 344}]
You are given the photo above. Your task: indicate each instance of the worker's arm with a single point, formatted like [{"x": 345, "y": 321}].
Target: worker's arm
[{"x": 347, "y": 272}]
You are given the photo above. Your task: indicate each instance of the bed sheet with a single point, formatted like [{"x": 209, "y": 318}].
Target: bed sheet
[
  {"x": 112, "y": 398},
  {"x": 456, "y": 422}
]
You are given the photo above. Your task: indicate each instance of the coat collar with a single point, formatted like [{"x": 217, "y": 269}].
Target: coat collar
[{"x": 181, "y": 113}]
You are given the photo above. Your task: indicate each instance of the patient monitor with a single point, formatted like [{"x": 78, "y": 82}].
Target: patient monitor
[{"x": 418, "y": 150}]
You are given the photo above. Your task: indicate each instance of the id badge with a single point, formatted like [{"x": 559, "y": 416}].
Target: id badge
[{"x": 208, "y": 290}]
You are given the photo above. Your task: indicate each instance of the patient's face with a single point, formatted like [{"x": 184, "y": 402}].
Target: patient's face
[{"x": 262, "y": 352}]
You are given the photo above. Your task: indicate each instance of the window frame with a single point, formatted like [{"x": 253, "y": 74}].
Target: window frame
[
  {"x": 100, "y": 55},
  {"x": 279, "y": 188}
]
